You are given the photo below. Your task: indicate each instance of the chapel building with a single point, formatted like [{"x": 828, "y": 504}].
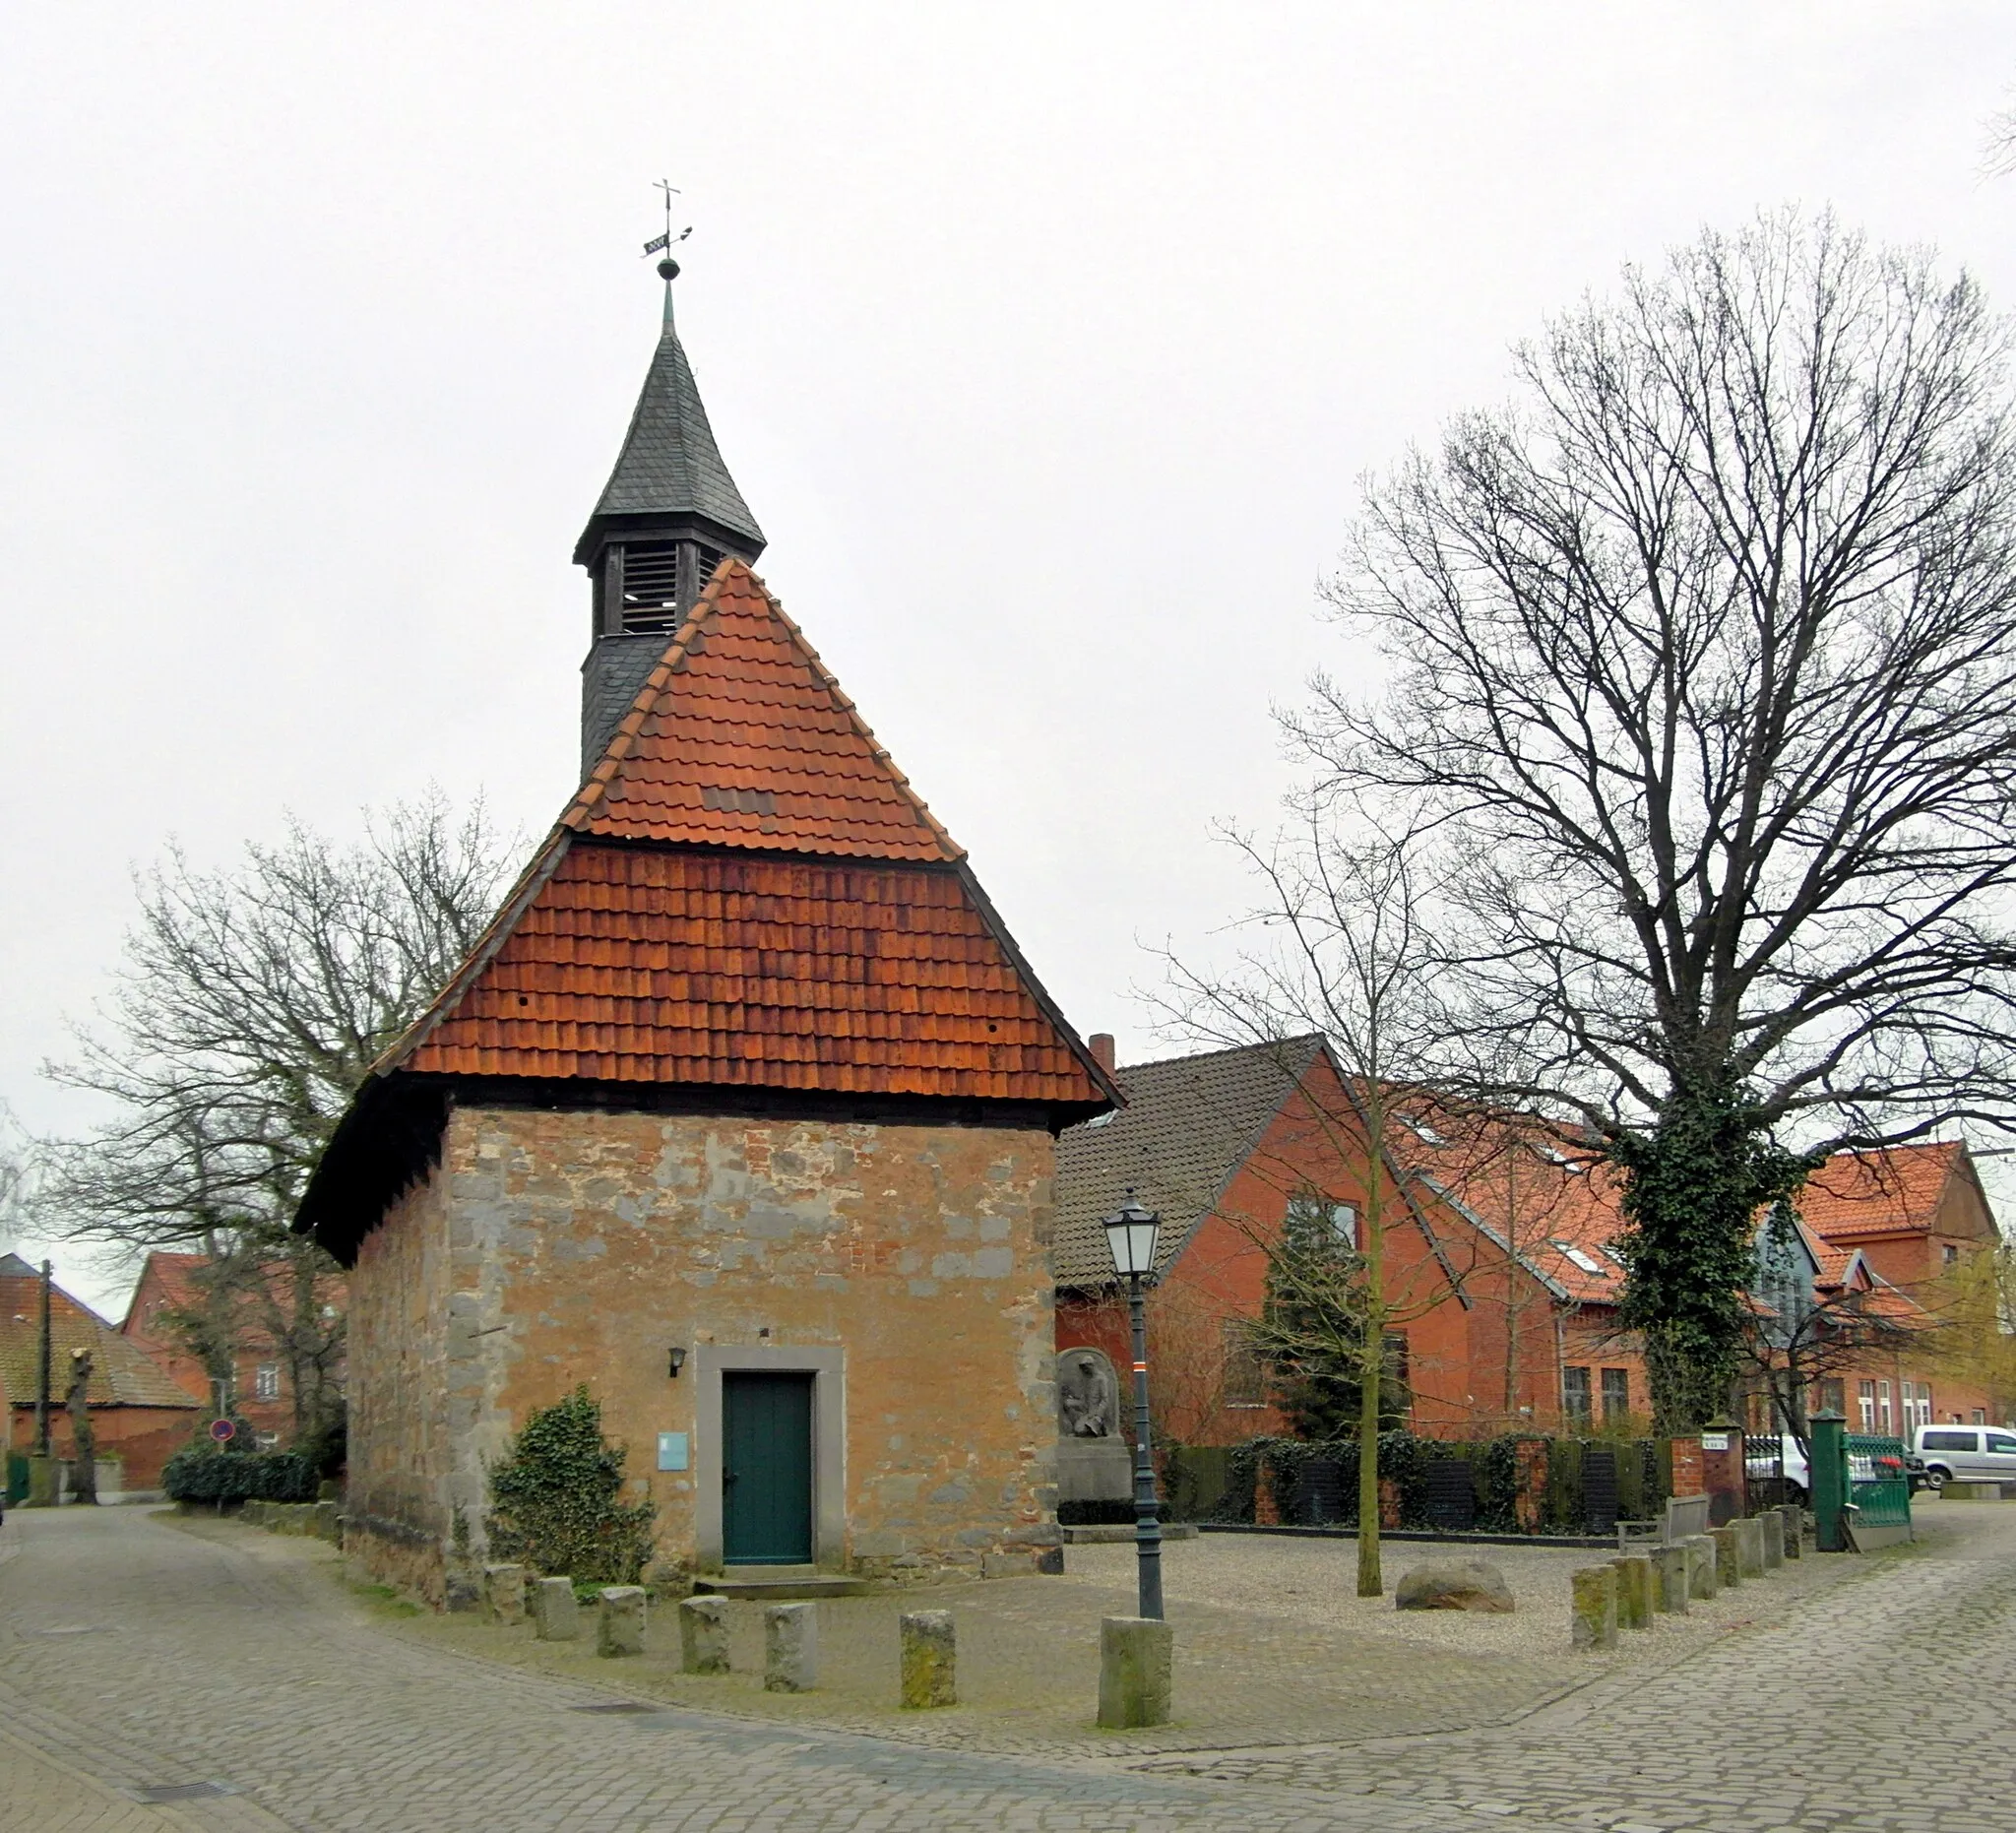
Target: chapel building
[{"x": 741, "y": 1114}]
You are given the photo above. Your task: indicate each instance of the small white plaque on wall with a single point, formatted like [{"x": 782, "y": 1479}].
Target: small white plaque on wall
[{"x": 671, "y": 1451}]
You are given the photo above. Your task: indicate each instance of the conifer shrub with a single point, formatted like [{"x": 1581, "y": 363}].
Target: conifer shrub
[{"x": 553, "y": 1499}]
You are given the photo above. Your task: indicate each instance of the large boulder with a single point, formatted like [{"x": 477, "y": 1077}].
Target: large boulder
[{"x": 1454, "y": 1585}]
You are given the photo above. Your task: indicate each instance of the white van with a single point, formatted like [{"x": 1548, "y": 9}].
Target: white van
[{"x": 1966, "y": 1454}]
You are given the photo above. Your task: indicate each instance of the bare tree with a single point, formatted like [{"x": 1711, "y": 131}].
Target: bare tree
[
  {"x": 1795, "y": 1339},
  {"x": 250, "y": 1006},
  {"x": 1975, "y": 1305},
  {"x": 1700, "y": 664},
  {"x": 1349, "y": 955},
  {"x": 17, "y": 1175},
  {"x": 84, "y": 1444}
]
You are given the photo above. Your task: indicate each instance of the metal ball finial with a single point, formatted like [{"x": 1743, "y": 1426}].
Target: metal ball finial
[{"x": 668, "y": 268}]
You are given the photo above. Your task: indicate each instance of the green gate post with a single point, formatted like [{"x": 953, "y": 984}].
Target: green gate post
[{"x": 1830, "y": 1482}]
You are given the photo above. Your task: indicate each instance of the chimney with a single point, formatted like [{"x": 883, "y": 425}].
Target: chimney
[{"x": 1100, "y": 1045}]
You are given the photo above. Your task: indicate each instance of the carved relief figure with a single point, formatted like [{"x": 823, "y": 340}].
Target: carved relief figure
[{"x": 1084, "y": 1394}]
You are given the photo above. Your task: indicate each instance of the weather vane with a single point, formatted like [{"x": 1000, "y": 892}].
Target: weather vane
[{"x": 662, "y": 244}]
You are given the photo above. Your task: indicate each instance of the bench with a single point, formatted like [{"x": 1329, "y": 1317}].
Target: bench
[{"x": 1685, "y": 1517}]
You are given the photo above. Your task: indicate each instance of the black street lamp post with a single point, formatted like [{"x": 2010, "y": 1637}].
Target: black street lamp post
[{"x": 1131, "y": 1233}]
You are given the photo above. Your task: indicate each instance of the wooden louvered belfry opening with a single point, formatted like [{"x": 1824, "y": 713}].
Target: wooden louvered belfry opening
[{"x": 647, "y": 585}]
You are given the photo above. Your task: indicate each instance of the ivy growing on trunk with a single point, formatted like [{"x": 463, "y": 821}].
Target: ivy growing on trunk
[{"x": 1696, "y": 1184}]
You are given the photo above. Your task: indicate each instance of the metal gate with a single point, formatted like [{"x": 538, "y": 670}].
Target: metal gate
[{"x": 1877, "y": 1484}]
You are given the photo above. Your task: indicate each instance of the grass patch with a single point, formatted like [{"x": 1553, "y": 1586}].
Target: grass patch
[{"x": 386, "y": 1599}]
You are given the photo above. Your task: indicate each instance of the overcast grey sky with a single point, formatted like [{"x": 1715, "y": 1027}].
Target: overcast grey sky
[{"x": 1046, "y": 343}]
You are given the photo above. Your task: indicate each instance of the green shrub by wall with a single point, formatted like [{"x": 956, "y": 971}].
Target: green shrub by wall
[
  {"x": 203, "y": 1474},
  {"x": 1228, "y": 1487}
]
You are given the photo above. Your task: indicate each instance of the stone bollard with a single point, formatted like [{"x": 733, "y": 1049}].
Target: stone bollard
[
  {"x": 1593, "y": 1623},
  {"x": 253, "y": 1514},
  {"x": 619, "y": 1620},
  {"x": 329, "y": 1522},
  {"x": 504, "y": 1593},
  {"x": 791, "y": 1648},
  {"x": 1749, "y": 1531},
  {"x": 1669, "y": 1570},
  {"x": 1794, "y": 1519},
  {"x": 555, "y": 1617},
  {"x": 929, "y": 1656},
  {"x": 461, "y": 1585},
  {"x": 704, "y": 1635},
  {"x": 1136, "y": 1662},
  {"x": 1700, "y": 1566},
  {"x": 1772, "y": 1522},
  {"x": 1634, "y": 1591},
  {"x": 1729, "y": 1562}
]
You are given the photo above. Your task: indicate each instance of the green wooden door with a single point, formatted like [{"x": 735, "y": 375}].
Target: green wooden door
[{"x": 766, "y": 1469}]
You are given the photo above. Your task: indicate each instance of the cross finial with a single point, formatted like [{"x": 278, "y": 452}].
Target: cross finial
[{"x": 662, "y": 244}]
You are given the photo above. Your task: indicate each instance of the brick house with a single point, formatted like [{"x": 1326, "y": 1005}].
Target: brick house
[
  {"x": 138, "y": 1413},
  {"x": 262, "y": 1383},
  {"x": 1499, "y": 1240},
  {"x": 741, "y": 1113},
  {"x": 1501, "y": 1294},
  {"x": 1902, "y": 1220}
]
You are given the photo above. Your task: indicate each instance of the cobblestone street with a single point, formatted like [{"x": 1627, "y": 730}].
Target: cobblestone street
[{"x": 135, "y": 1655}]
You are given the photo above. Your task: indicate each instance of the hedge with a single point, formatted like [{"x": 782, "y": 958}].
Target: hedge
[{"x": 203, "y": 1474}]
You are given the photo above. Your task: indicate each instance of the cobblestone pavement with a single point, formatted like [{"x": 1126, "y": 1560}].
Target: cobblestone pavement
[
  {"x": 134, "y": 1654},
  {"x": 1886, "y": 1705}
]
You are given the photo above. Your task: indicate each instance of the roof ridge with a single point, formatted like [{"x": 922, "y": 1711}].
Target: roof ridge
[
  {"x": 846, "y": 701},
  {"x": 595, "y": 787},
  {"x": 596, "y": 801},
  {"x": 1230, "y": 1050},
  {"x": 543, "y": 865}
]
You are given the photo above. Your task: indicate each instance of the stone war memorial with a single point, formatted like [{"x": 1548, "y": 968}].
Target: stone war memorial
[{"x": 741, "y": 1114}]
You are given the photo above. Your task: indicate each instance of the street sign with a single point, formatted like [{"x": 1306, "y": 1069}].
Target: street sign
[{"x": 222, "y": 1430}]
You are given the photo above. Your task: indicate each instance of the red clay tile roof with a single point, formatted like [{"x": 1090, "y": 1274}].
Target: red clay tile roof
[
  {"x": 746, "y": 893},
  {"x": 1859, "y": 1194},
  {"x": 827, "y": 937},
  {"x": 170, "y": 1277},
  {"x": 122, "y": 1374},
  {"x": 638, "y": 965},
  {"x": 741, "y": 737}
]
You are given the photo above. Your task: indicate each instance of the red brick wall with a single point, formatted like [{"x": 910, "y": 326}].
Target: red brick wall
[
  {"x": 1456, "y": 1351},
  {"x": 143, "y": 1438}
]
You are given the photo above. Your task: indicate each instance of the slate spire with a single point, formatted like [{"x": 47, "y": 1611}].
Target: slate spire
[{"x": 670, "y": 514}]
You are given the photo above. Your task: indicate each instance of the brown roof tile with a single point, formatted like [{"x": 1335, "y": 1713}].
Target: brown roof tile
[
  {"x": 122, "y": 1374},
  {"x": 636, "y": 964},
  {"x": 1857, "y": 1194},
  {"x": 741, "y": 737}
]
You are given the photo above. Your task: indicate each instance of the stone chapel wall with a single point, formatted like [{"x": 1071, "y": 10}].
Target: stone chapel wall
[{"x": 555, "y": 1249}]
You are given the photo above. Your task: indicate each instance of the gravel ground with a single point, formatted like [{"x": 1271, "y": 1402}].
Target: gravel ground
[{"x": 1314, "y": 1581}]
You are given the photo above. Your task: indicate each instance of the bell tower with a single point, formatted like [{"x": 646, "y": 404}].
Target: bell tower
[{"x": 668, "y": 516}]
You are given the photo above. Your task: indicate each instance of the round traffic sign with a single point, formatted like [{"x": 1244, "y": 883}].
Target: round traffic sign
[{"x": 222, "y": 1429}]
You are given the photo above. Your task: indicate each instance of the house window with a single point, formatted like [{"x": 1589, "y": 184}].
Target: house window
[
  {"x": 1616, "y": 1394},
  {"x": 1834, "y": 1397},
  {"x": 1980, "y": 1416},
  {"x": 1883, "y": 1408},
  {"x": 1344, "y": 1224},
  {"x": 1949, "y": 1257},
  {"x": 1245, "y": 1374},
  {"x": 1575, "y": 1393},
  {"x": 1866, "y": 1400},
  {"x": 266, "y": 1381}
]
